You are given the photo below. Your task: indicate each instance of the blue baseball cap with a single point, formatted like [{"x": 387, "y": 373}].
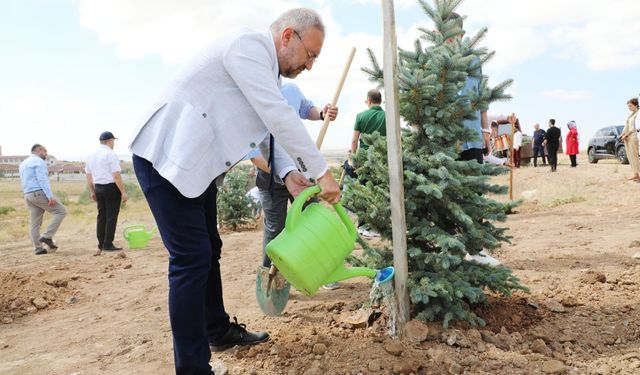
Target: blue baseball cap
[{"x": 106, "y": 135}]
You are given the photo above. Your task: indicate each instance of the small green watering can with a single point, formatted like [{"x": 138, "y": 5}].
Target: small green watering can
[
  {"x": 137, "y": 236},
  {"x": 311, "y": 250}
]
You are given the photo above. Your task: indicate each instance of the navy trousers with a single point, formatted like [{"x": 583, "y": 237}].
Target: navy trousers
[{"x": 188, "y": 227}]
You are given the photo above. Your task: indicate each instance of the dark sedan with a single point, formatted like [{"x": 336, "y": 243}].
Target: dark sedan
[{"x": 606, "y": 144}]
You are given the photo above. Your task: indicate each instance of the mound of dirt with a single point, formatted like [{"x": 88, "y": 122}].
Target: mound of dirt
[{"x": 24, "y": 294}]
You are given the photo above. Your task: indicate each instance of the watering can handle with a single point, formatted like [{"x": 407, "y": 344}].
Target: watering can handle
[
  {"x": 126, "y": 231},
  {"x": 346, "y": 220},
  {"x": 293, "y": 216}
]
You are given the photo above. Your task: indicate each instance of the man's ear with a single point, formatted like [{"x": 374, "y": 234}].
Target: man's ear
[{"x": 287, "y": 35}]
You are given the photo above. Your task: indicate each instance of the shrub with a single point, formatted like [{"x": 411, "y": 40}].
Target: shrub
[
  {"x": 133, "y": 191},
  {"x": 63, "y": 197},
  {"x": 234, "y": 206},
  {"x": 85, "y": 197},
  {"x": 6, "y": 209}
]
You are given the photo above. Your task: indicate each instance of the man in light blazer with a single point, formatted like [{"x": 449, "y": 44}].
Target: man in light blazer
[{"x": 219, "y": 108}]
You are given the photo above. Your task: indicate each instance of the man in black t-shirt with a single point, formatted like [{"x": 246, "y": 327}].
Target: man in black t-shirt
[{"x": 552, "y": 141}]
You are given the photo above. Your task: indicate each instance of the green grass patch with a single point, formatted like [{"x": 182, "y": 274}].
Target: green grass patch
[
  {"x": 5, "y": 210},
  {"x": 562, "y": 201}
]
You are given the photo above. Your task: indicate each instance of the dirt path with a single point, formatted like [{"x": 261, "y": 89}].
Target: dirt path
[{"x": 573, "y": 241}]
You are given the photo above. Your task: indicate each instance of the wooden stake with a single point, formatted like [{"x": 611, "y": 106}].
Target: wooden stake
[
  {"x": 325, "y": 124},
  {"x": 511, "y": 157},
  {"x": 394, "y": 155}
]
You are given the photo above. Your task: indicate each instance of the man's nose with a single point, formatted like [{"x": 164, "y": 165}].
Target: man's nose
[{"x": 309, "y": 64}]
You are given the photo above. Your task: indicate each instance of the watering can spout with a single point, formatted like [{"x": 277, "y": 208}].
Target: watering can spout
[
  {"x": 343, "y": 273},
  {"x": 380, "y": 276}
]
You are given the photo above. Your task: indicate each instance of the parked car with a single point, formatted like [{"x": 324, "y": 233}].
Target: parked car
[{"x": 606, "y": 144}]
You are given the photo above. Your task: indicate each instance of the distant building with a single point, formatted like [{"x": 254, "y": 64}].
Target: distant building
[
  {"x": 67, "y": 167},
  {"x": 9, "y": 165},
  {"x": 17, "y": 159}
]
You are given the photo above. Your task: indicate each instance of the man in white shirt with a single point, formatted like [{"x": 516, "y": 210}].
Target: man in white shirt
[
  {"x": 219, "y": 108},
  {"x": 107, "y": 190}
]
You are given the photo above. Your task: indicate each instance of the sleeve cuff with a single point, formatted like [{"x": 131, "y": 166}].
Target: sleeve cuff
[
  {"x": 322, "y": 174},
  {"x": 283, "y": 172}
]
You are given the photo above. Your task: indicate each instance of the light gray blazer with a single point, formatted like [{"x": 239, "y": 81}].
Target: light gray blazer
[{"x": 219, "y": 107}]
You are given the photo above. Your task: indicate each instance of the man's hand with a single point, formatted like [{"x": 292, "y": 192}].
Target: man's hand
[
  {"x": 93, "y": 196},
  {"x": 330, "y": 111},
  {"x": 330, "y": 188},
  {"x": 487, "y": 139},
  {"x": 296, "y": 183},
  {"x": 125, "y": 197},
  {"x": 52, "y": 202}
]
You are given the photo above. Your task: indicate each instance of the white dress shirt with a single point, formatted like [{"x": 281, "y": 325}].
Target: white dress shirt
[
  {"x": 102, "y": 164},
  {"x": 220, "y": 107}
]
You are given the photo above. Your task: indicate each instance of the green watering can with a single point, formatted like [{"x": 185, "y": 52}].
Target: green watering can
[
  {"x": 137, "y": 236},
  {"x": 311, "y": 250}
]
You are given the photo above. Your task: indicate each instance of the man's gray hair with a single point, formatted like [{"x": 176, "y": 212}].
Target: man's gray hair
[{"x": 300, "y": 19}]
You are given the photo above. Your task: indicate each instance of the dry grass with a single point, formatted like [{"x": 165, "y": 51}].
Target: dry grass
[{"x": 80, "y": 220}]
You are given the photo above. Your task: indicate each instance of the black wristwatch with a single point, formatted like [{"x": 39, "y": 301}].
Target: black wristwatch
[{"x": 322, "y": 115}]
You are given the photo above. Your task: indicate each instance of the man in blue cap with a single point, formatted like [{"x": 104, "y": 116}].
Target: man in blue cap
[{"x": 107, "y": 190}]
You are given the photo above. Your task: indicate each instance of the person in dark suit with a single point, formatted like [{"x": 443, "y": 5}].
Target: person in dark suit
[
  {"x": 552, "y": 140},
  {"x": 538, "y": 148}
]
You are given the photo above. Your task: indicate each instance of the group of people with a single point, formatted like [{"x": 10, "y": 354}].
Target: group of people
[
  {"x": 548, "y": 140},
  {"x": 227, "y": 104},
  {"x": 551, "y": 140},
  {"x": 105, "y": 186}
]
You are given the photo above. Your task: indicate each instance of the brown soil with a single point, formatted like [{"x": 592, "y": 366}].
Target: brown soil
[{"x": 573, "y": 241}]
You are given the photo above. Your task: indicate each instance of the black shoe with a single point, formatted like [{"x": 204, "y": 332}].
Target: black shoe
[
  {"x": 111, "y": 248},
  {"x": 49, "y": 242},
  {"x": 237, "y": 334},
  {"x": 40, "y": 251}
]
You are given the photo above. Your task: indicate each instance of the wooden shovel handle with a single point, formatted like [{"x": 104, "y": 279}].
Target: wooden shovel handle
[{"x": 325, "y": 124}]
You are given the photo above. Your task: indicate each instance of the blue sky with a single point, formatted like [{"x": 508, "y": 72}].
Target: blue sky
[{"x": 70, "y": 69}]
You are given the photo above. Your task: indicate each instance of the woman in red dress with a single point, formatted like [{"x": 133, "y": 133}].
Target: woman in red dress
[{"x": 572, "y": 143}]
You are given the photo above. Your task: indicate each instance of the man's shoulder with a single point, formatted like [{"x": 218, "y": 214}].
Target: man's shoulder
[
  {"x": 291, "y": 91},
  {"x": 361, "y": 114},
  {"x": 370, "y": 111},
  {"x": 247, "y": 37}
]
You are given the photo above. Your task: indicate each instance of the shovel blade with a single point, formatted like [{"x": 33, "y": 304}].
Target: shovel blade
[{"x": 272, "y": 291}]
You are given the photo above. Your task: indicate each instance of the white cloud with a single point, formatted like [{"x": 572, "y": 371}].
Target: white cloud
[
  {"x": 602, "y": 36},
  {"x": 562, "y": 94},
  {"x": 583, "y": 31},
  {"x": 174, "y": 29},
  {"x": 397, "y": 3},
  {"x": 69, "y": 128}
]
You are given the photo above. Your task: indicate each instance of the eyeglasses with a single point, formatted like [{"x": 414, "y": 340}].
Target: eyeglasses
[{"x": 310, "y": 57}]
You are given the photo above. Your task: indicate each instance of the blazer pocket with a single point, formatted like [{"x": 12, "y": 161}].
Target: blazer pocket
[{"x": 192, "y": 135}]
